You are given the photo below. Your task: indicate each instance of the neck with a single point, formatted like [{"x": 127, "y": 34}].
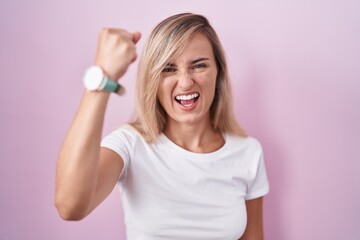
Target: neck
[{"x": 194, "y": 137}]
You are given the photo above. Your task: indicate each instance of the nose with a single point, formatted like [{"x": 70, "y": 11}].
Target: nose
[{"x": 185, "y": 80}]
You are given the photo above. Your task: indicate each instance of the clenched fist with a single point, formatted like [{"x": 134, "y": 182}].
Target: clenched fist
[{"x": 116, "y": 51}]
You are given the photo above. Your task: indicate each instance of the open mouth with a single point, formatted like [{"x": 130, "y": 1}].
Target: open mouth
[{"x": 187, "y": 100}]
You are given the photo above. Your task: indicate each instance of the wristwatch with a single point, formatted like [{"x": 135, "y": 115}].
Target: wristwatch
[{"x": 95, "y": 80}]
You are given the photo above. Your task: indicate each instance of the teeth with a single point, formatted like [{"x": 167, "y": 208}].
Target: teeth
[{"x": 187, "y": 97}]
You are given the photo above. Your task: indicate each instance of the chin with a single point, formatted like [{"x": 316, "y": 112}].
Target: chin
[{"x": 188, "y": 118}]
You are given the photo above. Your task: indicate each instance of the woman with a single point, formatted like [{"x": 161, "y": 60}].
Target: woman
[{"x": 185, "y": 169}]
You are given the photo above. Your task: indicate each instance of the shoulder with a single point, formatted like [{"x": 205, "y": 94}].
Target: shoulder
[
  {"x": 125, "y": 134},
  {"x": 248, "y": 150},
  {"x": 126, "y": 131},
  {"x": 248, "y": 142},
  {"x": 125, "y": 141}
]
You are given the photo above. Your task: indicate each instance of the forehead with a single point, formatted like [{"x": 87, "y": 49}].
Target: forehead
[
  {"x": 197, "y": 46},
  {"x": 199, "y": 42}
]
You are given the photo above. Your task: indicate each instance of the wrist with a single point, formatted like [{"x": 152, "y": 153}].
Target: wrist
[
  {"x": 95, "y": 79},
  {"x": 96, "y": 98}
]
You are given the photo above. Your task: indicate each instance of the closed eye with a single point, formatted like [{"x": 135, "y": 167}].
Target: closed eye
[
  {"x": 201, "y": 65},
  {"x": 169, "y": 70},
  {"x": 198, "y": 68}
]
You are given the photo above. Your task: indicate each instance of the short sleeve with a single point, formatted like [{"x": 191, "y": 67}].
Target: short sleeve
[
  {"x": 259, "y": 186},
  {"x": 121, "y": 142}
]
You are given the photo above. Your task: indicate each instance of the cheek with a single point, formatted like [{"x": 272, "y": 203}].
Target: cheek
[
  {"x": 209, "y": 89},
  {"x": 164, "y": 92},
  {"x": 208, "y": 82},
  {"x": 161, "y": 96}
]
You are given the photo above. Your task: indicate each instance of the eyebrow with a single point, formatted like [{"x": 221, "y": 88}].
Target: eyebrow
[
  {"x": 199, "y": 60},
  {"x": 192, "y": 62}
]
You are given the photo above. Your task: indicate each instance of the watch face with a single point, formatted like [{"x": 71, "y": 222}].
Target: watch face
[{"x": 93, "y": 78}]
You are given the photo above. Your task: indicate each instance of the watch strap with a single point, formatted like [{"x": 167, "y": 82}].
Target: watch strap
[{"x": 109, "y": 85}]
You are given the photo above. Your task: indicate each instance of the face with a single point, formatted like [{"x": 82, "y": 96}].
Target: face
[{"x": 187, "y": 85}]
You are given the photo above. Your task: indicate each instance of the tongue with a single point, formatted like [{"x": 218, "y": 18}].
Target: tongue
[{"x": 187, "y": 102}]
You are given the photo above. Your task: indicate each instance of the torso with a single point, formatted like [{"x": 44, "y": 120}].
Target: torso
[{"x": 171, "y": 193}]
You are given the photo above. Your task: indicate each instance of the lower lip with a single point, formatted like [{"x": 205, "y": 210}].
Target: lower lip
[{"x": 188, "y": 107}]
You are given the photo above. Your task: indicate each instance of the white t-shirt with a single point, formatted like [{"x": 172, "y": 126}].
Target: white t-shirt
[{"x": 171, "y": 193}]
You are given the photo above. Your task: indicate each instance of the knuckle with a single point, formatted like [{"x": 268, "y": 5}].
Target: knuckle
[
  {"x": 104, "y": 30},
  {"x": 127, "y": 47}
]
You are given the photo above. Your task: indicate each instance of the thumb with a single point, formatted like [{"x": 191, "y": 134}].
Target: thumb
[{"x": 136, "y": 37}]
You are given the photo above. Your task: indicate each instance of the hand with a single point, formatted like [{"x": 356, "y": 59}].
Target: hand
[{"x": 116, "y": 51}]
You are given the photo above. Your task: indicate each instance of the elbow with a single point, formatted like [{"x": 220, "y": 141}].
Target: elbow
[
  {"x": 70, "y": 216},
  {"x": 70, "y": 212}
]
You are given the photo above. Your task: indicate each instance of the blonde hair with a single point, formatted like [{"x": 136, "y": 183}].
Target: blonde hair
[{"x": 167, "y": 40}]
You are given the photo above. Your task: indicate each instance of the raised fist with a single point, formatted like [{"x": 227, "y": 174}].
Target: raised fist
[{"x": 116, "y": 51}]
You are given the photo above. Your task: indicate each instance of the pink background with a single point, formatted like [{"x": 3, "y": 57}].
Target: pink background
[{"x": 295, "y": 67}]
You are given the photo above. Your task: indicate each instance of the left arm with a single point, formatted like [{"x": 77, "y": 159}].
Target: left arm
[{"x": 254, "y": 228}]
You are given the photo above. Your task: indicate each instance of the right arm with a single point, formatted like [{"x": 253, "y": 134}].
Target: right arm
[{"x": 86, "y": 173}]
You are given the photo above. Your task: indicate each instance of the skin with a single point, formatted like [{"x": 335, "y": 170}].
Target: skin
[
  {"x": 191, "y": 129},
  {"x": 254, "y": 228},
  {"x": 86, "y": 174},
  {"x": 194, "y": 71}
]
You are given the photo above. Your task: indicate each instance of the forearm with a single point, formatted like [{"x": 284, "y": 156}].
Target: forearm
[
  {"x": 253, "y": 236},
  {"x": 78, "y": 187},
  {"x": 254, "y": 228},
  {"x": 77, "y": 165}
]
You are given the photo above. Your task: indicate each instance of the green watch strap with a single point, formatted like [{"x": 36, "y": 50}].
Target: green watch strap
[{"x": 109, "y": 85}]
